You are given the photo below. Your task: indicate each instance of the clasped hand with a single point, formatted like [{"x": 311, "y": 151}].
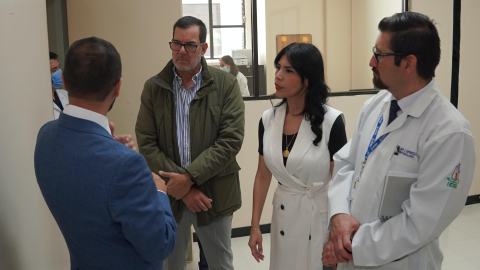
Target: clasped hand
[
  {"x": 178, "y": 184},
  {"x": 339, "y": 246}
]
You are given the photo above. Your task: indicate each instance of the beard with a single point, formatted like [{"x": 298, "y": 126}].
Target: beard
[
  {"x": 377, "y": 82},
  {"x": 190, "y": 66}
]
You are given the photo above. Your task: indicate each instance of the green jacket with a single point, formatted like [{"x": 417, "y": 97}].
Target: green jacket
[{"x": 217, "y": 121}]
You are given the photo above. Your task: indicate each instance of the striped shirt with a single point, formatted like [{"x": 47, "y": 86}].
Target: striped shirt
[{"x": 183, "y": 98}]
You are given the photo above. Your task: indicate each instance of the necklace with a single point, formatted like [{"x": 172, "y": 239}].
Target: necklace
[{"x": 286, "y": 153}]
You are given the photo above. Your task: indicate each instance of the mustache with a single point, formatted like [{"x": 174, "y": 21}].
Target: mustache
[{"x": 182, "y": 57}]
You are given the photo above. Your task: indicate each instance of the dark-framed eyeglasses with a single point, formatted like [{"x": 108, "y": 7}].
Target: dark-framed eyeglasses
[
  {"x": 376, "y": 54},
  {"x": 189, "y": 47}
]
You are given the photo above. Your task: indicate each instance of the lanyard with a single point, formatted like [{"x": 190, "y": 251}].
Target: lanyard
[{"x": 373, "y": 142}]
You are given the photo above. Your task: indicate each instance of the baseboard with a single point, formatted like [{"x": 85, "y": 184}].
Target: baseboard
[
  {"x": 473, "y": 199},
  {"x": 265, "y": 228}
]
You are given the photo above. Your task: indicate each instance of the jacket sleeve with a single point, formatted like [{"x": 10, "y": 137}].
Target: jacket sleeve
[
  {"x": 343, "y": 171},
  {"x": 432, "y": 206},
  {"x": 147, "y": 137},
  {"x": 144, "y": 213},
  {"x": 232, "y": 124}
]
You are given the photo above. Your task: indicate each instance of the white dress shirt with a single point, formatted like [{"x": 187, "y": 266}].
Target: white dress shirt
[{"x": 85, "y": 114}]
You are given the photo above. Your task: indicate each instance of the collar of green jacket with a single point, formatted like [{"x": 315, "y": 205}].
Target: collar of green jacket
[{"x": 165, "y": 79}]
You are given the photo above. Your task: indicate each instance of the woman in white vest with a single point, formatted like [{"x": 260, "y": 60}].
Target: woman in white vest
[{"x": 297, "y": 140}]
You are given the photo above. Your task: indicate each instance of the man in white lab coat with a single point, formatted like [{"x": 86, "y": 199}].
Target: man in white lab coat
[{"x": 414, "y": 131}]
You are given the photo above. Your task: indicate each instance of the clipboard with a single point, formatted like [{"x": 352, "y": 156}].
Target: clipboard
[{"x": 395, "y": 192}]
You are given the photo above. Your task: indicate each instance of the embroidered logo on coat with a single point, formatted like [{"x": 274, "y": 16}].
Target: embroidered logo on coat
[{"x": 453, "y": 182}]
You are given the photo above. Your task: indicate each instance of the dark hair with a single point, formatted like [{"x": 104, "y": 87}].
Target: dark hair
[
  {"x": 53, "y": 56},
  {"x": 414, "y": 33},
  {"x": 229, "y": 61},
  {"x": 307, "y": 61},
  {"x": 189, "y": 21},
  {"x": 92, "y": 68}
]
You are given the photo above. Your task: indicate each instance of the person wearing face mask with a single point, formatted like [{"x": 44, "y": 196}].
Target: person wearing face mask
[
  {"x": 297, "y": 141},
  {"x": 60, "y": 101},
  {"x": 227, "y": 64},
  {"x": 59, "y": 96}
]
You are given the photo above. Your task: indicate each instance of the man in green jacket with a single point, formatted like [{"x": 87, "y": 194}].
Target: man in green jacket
[{"x": 189, "y": 129}]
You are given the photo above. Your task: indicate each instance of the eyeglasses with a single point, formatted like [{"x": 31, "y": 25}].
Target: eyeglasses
[
  {"x": 376, "y": 55},
  {"x": 189, "y": 47}
]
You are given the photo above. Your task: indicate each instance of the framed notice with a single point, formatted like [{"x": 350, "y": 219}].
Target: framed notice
[{"x": 285, "y": 40}]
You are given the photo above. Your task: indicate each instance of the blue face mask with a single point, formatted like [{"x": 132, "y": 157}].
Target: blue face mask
[
  {"x": 57, "y": 79},
  {"x": 225, "y": 69}
]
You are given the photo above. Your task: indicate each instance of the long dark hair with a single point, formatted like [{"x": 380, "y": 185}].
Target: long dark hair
[
  {"x": 227, "y": 59},
  {"x": 307, "y": 61}
]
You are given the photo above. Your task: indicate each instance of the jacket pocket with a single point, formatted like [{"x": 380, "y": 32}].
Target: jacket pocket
[{"x": 225, "y": 192}]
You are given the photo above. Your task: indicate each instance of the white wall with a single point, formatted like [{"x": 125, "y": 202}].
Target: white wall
[
  {"x": 139, "y": 32},
  {"x": 366, "y": 14},
  {"x": 469, "y": 80},
  {"x": 442, "y": 12},
  {"x": 284, "y": 17},
  {"x": 337, "y": 56},
  {"x": 29, "y": 236}
]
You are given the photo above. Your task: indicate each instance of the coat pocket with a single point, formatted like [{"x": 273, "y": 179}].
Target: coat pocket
[
  {"x": 402, "y": 163},
  {"x": 396, "y": 265},
  {"x": 283, "y": 252}
]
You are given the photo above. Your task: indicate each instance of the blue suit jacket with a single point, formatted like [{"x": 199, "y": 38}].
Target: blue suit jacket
[{"x": 102, "y": 195}]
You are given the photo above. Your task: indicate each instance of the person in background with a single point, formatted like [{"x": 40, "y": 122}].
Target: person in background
[
  {"x": 60, "y": 101},
  {"x": 190, "y": 128},
  {"x": 297, "y": 141},
  {"x": 60, "y": 96},
  {"x": 410, "y": 131},
  {"x": 227, "y": 64},
  {"x": 113, "y": 213}
]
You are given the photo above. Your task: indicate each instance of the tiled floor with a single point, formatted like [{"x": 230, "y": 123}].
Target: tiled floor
[{"x": 460, "y": 244}]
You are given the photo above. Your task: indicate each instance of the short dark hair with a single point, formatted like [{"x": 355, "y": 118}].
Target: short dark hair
[
  {"x": 92, "y": 68},
  {"x": 53, "y": 56},
  {"x": 189, "y": 21},
  {"x": 229, "y": 61},
  {"x": 307, "y": 61},
  {"x": 414, "y": 33}
]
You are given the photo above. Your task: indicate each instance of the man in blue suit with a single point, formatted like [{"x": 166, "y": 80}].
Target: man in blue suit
[{"x": 111, "y": 212}]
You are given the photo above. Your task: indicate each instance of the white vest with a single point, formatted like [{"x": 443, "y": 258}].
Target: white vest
[{"x": 300, "y": 204}]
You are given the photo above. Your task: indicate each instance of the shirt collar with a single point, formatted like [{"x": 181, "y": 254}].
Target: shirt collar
[
  {"x": 85, "y": 114},
  {"x": 195, "y": 78},
  {"x": 407, "y": 102}
]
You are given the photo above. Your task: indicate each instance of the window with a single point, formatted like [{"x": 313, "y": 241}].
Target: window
[{"x": 225, "y": 21}]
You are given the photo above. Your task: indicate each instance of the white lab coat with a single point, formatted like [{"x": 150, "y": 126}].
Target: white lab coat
[
  {"x": 63, "y": 96},
  {"x": 434, "y": 138},
  {"x": 300, "y": 203},
  {"x": 243, "y": 84}
]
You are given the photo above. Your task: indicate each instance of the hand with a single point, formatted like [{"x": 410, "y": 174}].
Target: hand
[
  {"x": 343, "y": 226},
  {"x": 196, "y": 201},
  {"x": 126, "y": 139},
  {"x": 254, "y": 241},
  {"x": 328, "y": 256},
  {"x": 159, "y": 183},
  {"x": 178, "y": 184}
]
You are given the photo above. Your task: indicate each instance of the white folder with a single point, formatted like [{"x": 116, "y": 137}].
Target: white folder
[{"x": 395, "y": 192}]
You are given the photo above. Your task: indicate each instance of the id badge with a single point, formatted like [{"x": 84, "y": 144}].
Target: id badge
[{"x": 356, "y": 182}]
